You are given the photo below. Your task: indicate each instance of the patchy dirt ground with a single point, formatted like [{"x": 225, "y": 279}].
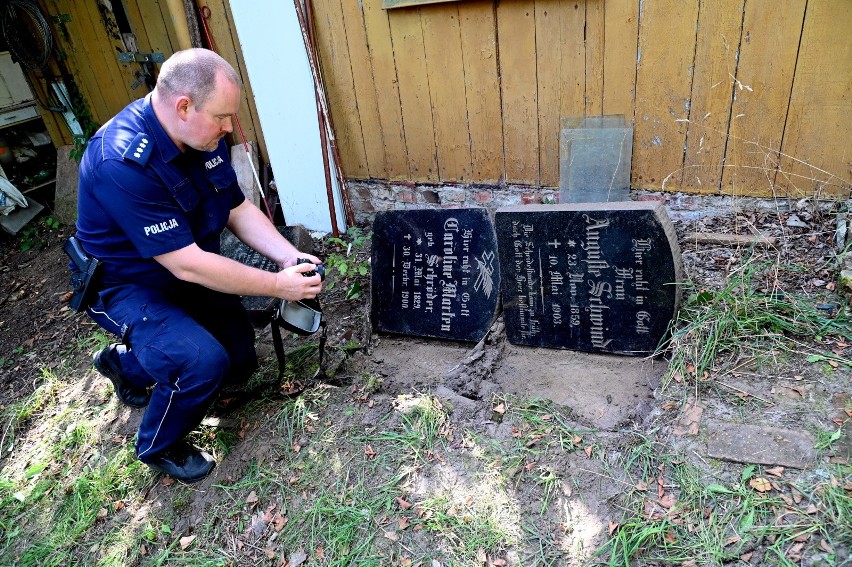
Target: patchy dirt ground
[{"x": 620, "y": 399}]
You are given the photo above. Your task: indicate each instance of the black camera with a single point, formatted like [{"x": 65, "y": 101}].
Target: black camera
[{"x": 319, "y": 269}]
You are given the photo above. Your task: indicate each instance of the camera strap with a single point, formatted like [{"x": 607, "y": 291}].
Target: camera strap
[
  {"x": 278, "y": 343},
  {"x": 282, "y": 388}
]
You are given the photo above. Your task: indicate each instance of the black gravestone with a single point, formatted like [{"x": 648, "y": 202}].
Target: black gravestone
[
  {"x": 435, "y": 273},
  {"x": 595, "y": 277}
]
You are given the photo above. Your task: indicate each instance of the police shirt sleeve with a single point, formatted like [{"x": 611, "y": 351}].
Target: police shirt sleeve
[{"x": 143, "y": 207}]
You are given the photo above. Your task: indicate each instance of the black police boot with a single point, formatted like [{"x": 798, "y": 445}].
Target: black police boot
[
  {"x": 182, "y": 462},
  {"x": 106, "y": 362}
]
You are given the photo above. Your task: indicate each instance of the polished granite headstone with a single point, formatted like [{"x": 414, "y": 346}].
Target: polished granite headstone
[
  {"x": 435, "y": 273},
  {"x": 594, "y": 277}
]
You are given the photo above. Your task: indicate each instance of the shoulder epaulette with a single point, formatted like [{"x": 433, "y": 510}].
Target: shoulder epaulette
[{"x": 139, "y": 149}]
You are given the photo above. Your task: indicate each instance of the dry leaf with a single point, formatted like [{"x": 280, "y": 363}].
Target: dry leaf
[
  {"x": 500, "y": 408},
  {"x": 143, "y": 550},
  {"x": 760, "y": 484},
  {"x": 498, "y": 562},
  {"x": 102, "y": 513},
  {"x": 775, "y": 471},
  {"x": 319, "y": 553},
  {"x": 746, "y": 556},
  {"x": 251, "y": 498},
  {"x": 730, "y": 540},
  {"x": 588, "y": 450},
  {"x": 668, "y": 500},
  {"x": 669, "y": 405},
  {"x": 392, "y": 536},
  {"x": 833, "y": 363},
  {"x": 642, "y": 485},
  {"x": 167, "y": 481},
  {"x": 403, "y": 523},
  {"x": 811, "y": 509},
  {"x": 612, "y": 526},
  {"x": 824, "y": 545},
  {"x": 402, "y": 503},
  {"x": 369, "y": 452},
  {"x": 279, "y": 521},
  {"x": 186, "y": 541},
  {"x": 802, "y": 537}
]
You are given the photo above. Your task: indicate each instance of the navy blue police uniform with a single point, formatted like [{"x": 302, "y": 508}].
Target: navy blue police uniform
[{"x": 140, "y": 196}]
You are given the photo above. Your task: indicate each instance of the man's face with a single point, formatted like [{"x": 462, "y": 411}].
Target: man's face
[{"x": 210, "y": 122}]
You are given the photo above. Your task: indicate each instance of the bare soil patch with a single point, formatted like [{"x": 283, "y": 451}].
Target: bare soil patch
[{"x": 607, "y": 402}]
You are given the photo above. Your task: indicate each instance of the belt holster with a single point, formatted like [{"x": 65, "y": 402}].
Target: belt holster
[{"x": 85, "y": 275}]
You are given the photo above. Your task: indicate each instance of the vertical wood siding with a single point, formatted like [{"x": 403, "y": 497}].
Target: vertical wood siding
[
  {"x": 749, "y": 97},
  {"x": 88, "y": 41}
]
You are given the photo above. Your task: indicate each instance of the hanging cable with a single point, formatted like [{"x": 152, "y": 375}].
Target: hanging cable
[
  {"x": 28, "y": 34},
  {"x": 30, "y": 41}
]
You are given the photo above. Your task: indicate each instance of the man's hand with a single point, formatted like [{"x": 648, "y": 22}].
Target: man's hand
[
  {"x": 292, "y": 259},
  {"x": 293, "y": 285}
]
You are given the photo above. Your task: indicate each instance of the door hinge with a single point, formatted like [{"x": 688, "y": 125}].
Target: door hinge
[{"x": 136, "y": 57}]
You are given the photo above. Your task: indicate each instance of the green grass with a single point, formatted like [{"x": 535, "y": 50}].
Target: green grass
[
  {"x": 714, "y": 523},
  {"x": 746, "y": 314}
]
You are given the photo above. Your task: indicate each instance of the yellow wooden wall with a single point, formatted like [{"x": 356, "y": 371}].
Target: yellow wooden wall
[
  {"x": 88, "y": 43},
  {"x": 734, "y": 96}
]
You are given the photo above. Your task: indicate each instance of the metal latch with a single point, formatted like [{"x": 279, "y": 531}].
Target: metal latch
[{"x": 136, "y": 57}]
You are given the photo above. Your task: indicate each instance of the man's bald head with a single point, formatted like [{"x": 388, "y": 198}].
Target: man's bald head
[{"x": 192, "y": 73}]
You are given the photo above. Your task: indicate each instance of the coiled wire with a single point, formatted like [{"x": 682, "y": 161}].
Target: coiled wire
[{"x": 27, "y": 33}]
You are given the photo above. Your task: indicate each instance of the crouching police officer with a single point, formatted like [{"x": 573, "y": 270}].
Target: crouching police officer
[{"x": 156, "y": 191}]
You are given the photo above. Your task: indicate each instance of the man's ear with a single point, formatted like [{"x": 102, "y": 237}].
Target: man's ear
[{"x": 182, "y": 105}]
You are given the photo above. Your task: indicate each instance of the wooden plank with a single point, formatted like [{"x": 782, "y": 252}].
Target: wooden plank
[
  {"x": 386, "y": 88},
  {"x": 77, "y": 58},
  {"x": 146, "y": 21},
  {"x": 362, "y": 77},
  {"x": 56, "y": 128},
  {"x": 99, "y": 55},
  {"x": 561, "y": 76},
  {"x": 222, "y": 30},
  {"x": 442, "y": 44},
  {"x": 817, "y": 156},
  {"x": 595, "y": 11},
  {"x": 621, "y": 31},
  {"x": 764, "y": 82},
  {"x": 410, "y": 58},
  {"x": 485, "y": 124},
  {"x": 340, "y": 89},
  {"x": 516, "y": 37},
  {"x": 127, "y": 74},
  {"x": 719, "y": 34},
  {"x": 404, "y": 3},
  {"x": 663, "y": 83},
  {"x": 177, "y": 39},
  {"x": 736, "y": 240}
]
